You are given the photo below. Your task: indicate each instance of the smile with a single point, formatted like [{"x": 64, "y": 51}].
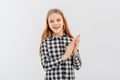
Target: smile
[{"x": 55, "y": 27}]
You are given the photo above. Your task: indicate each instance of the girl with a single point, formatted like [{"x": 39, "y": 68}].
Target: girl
[{"x": 58, "y": 49}]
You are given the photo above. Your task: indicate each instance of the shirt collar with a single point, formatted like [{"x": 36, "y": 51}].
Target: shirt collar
[{"x": 55, "y": 37}]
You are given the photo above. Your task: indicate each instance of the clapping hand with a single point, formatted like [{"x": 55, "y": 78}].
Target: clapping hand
[
  {"x": 72, "y": 48},
  {"x": 77, "y": 41},
  {"x": 69, "y": 50}
]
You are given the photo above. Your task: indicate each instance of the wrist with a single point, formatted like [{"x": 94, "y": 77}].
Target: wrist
[
  {"x": 64, "y": 57},
  {"x": 75, "y": 53}
]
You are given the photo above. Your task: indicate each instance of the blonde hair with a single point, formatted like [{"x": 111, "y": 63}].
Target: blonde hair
[{"x": 48, "y": 32}]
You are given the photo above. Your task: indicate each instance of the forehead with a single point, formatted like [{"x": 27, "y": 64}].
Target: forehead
[{"x": 54, "y": 16}]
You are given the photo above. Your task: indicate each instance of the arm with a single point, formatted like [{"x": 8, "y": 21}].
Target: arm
[
  {"x": 76, "y": 57},
  {"x": 47, "y": 62},
  {"x": 77, "y": 61}
]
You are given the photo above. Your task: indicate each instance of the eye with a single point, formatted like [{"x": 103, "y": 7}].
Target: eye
[
  {"x": 51, "y": 21},
  {"x": 58, "y": 20}
]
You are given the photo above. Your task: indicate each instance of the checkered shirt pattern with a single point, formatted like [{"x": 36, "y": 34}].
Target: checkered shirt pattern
[{"x": 55, "y": 67}]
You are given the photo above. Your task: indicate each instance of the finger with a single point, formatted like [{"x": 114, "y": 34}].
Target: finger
[
  {"x": 77, "y": 44},
  {"x": 78, "y": 36},
  {"x": 71, "y": 44}
]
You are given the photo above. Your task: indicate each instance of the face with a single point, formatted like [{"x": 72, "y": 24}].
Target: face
[{"x": 55, "y": 22}]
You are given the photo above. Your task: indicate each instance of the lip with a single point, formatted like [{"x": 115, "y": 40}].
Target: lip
[{"x": 55, "y": 27}]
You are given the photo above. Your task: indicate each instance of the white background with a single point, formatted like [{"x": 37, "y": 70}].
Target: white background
[{"x": 21, "y": 25}]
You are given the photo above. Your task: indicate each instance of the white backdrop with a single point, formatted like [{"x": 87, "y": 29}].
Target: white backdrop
[{"x": 21, "y": 25}]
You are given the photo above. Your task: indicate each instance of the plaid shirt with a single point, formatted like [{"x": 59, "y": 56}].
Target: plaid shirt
[{"x": 51, "y": 59}]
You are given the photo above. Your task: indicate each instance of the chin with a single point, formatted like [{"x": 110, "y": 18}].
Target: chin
[{"x": 56, "y": 31}]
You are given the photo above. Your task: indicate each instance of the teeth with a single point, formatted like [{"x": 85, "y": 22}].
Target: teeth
[{"x": 55, "y": 27}]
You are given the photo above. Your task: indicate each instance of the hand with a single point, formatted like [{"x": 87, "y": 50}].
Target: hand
[
  {"x": 77, "y": 41},
  {"x": 69, "y": 50}
]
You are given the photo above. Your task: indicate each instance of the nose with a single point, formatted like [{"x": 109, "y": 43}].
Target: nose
[{"x": 55, "y": 23}]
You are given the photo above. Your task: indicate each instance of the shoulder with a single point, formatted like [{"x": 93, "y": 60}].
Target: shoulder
[
  {"x": 69, "y": 38},
  {"x": 46, "y": 40}
]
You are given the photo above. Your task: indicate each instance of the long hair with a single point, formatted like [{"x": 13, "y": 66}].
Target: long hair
[{"x": 48, "y": 32}]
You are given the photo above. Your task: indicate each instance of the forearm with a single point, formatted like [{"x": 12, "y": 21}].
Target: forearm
[
  {"x": 77, "y": 60},
  {"x": 49, "y": 64}
]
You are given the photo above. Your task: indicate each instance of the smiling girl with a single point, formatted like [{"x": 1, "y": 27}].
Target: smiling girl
[{"x": 58, "y": 48}]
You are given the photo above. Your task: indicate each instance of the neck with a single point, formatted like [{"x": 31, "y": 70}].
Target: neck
[{"x": 58, "y": 34}]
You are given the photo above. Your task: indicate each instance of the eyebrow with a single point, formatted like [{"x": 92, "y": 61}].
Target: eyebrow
[{"x": 56, "y": 18}]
